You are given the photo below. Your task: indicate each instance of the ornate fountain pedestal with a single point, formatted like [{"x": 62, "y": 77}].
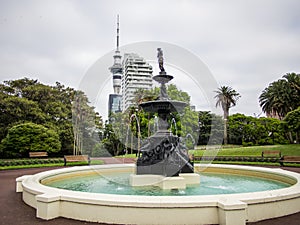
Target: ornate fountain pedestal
[{"x": 163, "y": 159}]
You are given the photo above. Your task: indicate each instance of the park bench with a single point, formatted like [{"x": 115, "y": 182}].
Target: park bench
[
  {"x": 76, "y": 158},
  {"x": 289, "y": 159},
  {"x": 37, "y": 154},
  {"x": 269, "y": 153}
]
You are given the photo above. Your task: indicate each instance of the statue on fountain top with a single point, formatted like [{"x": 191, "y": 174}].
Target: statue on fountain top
[{"x": 160, "y": 61}]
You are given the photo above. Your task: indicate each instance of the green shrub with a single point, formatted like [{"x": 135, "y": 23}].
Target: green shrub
[
  {"x": 246, "y": 144},
  {"x": 26, "y": 137}
]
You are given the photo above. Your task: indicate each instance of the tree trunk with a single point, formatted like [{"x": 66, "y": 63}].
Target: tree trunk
[
  {"x": 225, "y": 132},
  {"x": 290, "y": 137},
  {"x": 226, "y": 113}
]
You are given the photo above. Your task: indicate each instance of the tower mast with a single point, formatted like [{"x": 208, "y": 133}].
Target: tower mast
[
  {"x": 118, "y": 28},
  {"x": 116, "y": 68}
]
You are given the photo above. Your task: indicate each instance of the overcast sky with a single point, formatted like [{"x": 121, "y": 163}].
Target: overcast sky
[{"x": 245, "y": 44}]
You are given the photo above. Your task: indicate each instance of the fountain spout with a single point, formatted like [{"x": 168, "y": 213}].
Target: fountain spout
[
  {"x": 192, "y": 139},
  {"x": 133, "y": 116},
  {"x": 173, "y": 121}
]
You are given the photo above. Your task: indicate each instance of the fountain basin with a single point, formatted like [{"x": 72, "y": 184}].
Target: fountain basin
[{"x": 124, "y": 209}]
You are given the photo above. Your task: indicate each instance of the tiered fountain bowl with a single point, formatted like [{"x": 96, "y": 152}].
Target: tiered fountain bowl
[{"x": 163, "y": 159}]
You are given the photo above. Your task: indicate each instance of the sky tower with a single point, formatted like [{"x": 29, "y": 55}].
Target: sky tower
[
  {"x": 115, "y": 100},
  {"x": 116, "y": 68}
]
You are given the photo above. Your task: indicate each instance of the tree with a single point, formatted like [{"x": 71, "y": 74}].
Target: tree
[
  {"x": 112, "y": 141},
  {"x": 281, "y": 96},
  {"x": 122, "y": 129},
  {"x": 142, "y": 95},
  {"x": 27, "y": 137},
  {"x": 175, "y": 94},
  {"x": 15, "y": 110},
  {"x": 210, "y": 128},
  {"x": 247, "y": 130},
  {"x": 86, "y": 125},
  {"x": 292, "y": 120},
  {"x": 226, "y": 98},
  {"x": 27, "y": 100},
  {"x": 275, "y": 132},
  {"x": 189, "y": 126},
  {"x": 293, "y": 80}
]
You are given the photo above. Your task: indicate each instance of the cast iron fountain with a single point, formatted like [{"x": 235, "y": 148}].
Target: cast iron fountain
[{"x": 163, "y": 153}]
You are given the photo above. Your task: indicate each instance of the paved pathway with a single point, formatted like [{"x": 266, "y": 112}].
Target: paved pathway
[{"x": 15, "y": 212}]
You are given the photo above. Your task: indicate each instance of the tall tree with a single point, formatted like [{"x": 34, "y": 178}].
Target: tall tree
[
  {"x": 27, "y": 100},
  {"x": 226, "y": 98},
  {"x": 281, "y": 96},
  {"x": 292, "y": 120},
  {"x": 210, "y": 128},
  {"x": 86, "y": 125}
]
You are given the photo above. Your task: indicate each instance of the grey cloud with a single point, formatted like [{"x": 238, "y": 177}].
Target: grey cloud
[{"x": 246, "y": 44}]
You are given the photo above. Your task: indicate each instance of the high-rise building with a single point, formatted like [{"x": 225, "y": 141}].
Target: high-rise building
[
  {"x": 137, "y": 73},
  {"x": 115, "y": 100}
]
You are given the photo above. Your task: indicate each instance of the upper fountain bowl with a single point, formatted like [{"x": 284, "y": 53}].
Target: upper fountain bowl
[
  {"x": 163, "y": 78},
  {"x": 163, "y": 106}
]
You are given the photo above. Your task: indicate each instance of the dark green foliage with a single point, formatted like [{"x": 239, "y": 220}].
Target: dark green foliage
[
  {"x": 249, "y": 131},
  {"x": 100, "y": 151},
  {"x": 22, "y": 162},
  {"x": 281, "y": 96},
  {"x": 26, "y": 100},
  {"x": 292, "y": 121},
  {"x": 210, "y": 129},
  {"x": 23, "y": 138},
  {"x": 175, "y": 94},
  {"x": 121, "y": 131},
  {"x": 113, "y": 137}
]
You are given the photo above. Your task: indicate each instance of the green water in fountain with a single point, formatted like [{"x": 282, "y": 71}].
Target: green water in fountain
[{"x": 210, "y": 184}]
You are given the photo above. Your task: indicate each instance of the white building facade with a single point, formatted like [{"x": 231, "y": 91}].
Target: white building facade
[{"x": 137, "y": 73}]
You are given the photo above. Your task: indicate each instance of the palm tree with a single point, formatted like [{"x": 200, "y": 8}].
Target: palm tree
[
  {"x": 293, "y": 81},
  {"x": 273, "y": 99},
  {"x": 226, "y": 98},
  {"x": 281, "y": 96}
]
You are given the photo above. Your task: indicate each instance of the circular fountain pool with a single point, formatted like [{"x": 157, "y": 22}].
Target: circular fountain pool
[
  {"x": 226, "y": 195},
  {"x": 211, "y": 184}
]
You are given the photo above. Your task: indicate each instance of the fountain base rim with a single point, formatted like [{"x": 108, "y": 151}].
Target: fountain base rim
[
  {"x": 165, "y": 183},
  {"x": 224, "y": 209}
]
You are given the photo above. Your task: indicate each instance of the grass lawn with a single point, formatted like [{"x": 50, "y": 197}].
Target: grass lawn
[
  {"x": 293, "y": 149},
  {"x": 254, "y": 151}
]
